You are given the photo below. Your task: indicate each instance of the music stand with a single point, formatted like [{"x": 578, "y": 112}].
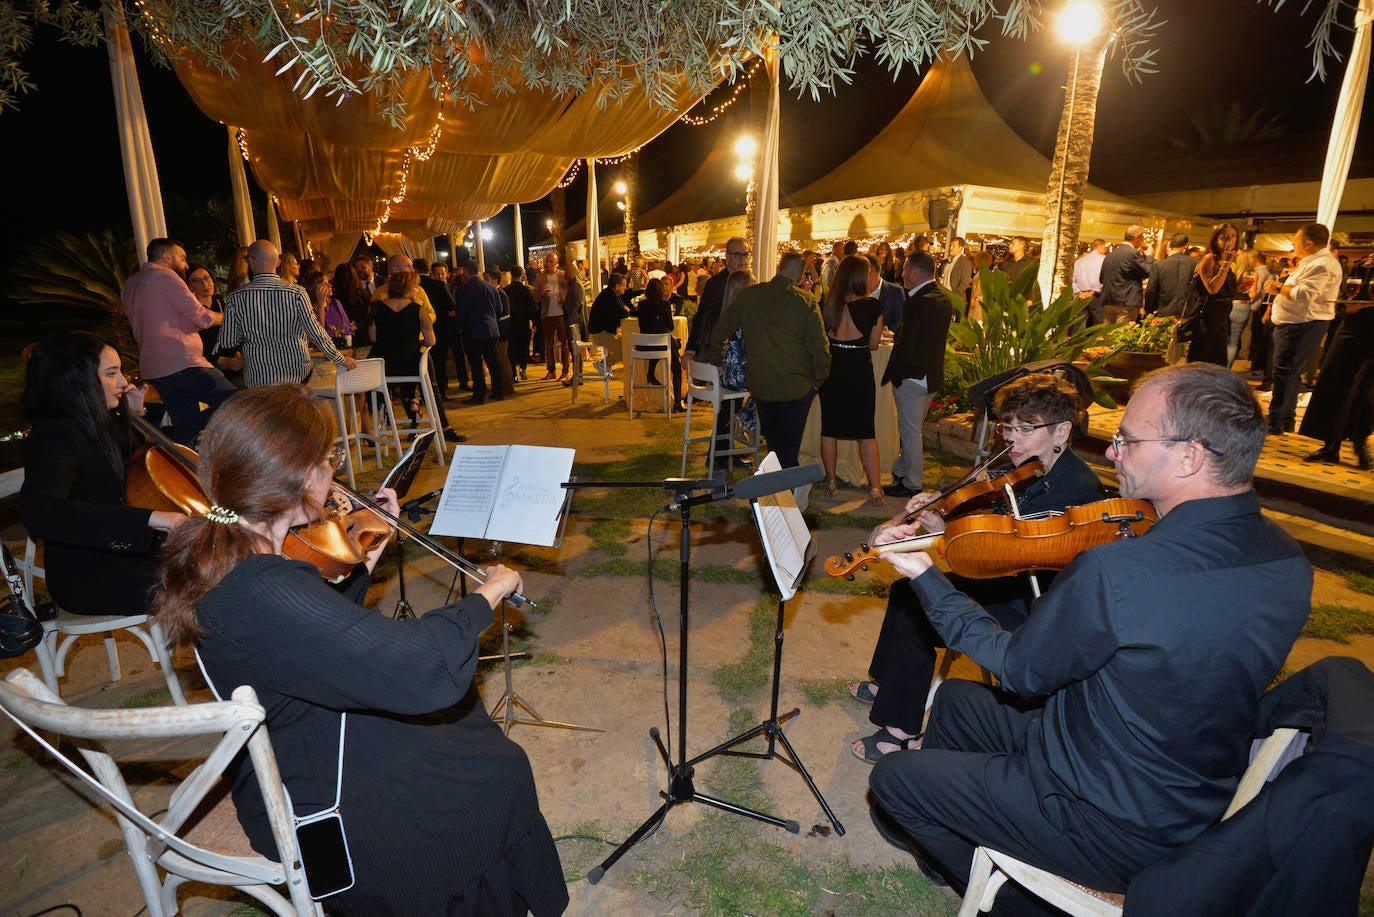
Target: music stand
[{"x": 681, "y": 788}]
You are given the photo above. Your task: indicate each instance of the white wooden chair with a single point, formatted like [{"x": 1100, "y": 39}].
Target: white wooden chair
[
  {"x": 61, "y": 634},
  {"x": 368, "y": 380},
  {"x": 650, "y": 349},
  {"x": 169, "y": 848},
  {"x": 992, "y": 868},
  {"x": 581, "y": 351},
  {"x": 434, "y": 417},
  {"x": 703, "y": 385}
]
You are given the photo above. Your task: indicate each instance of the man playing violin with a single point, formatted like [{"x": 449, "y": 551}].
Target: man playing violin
[
  {"x": 1127, "y": 699},
  {"x": 1037, "y": 413}
]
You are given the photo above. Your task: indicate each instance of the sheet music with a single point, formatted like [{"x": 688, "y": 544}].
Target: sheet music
[
  {"x": 530, "y": 497},
  {"x": 786, "y": 541},
  {"x": 504, "y": 493}
]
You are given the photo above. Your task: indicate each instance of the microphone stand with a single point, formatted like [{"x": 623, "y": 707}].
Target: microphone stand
[
  {"x": 680, "y": 786},
  {"x": 412, "y": 510}
]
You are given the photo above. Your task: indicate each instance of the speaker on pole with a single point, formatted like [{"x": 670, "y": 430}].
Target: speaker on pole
[{"x": 937, "y": 213}]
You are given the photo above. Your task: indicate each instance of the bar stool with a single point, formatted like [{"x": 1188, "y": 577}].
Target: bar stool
[
  {"x": 581, "y": 351},
  {"x": 368, "y": 379},
  {"x": 434, "y": 418},
  {"x": 703, "y": 384},
  {"x": 648, "y": 349}
]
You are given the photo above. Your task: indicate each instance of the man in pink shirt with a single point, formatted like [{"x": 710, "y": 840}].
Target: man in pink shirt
[{"x": 166, "y": 318}]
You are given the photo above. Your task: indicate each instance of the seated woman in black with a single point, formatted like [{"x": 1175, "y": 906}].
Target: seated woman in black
[
  {"x": 99, "y": 552},
  {"x": 1037, "y": 414},
  {"x": 656, "y": 317},
  {"x": 439, "y": 807}
]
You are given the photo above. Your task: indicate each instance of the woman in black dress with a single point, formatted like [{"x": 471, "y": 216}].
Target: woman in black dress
[
  {"x": 1214, "y": 271},
  {"x": 655, "y": 315},
  {"x": 99, "y": 553},
  {"x": 439, "y": 808},
  {"x": 854, "y": 324},
  {"x": 398, "y": 326}
]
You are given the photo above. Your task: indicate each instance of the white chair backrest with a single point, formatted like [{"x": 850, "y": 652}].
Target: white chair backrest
[
  {"x": 154, "y": 842},
  {"x": 705, "y": 373},
  {"x": 368, "y": 376},
  {"x": 649, "y": 346}
]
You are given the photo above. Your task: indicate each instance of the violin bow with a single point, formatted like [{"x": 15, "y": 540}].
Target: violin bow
[{"x": 972, "y": 475}]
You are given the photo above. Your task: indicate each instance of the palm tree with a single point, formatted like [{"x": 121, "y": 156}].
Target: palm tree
[
  {"x": 629, "y": 174},
  {"x": 83, "y": 271}
]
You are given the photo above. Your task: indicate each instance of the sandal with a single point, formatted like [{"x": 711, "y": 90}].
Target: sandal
[
  {"x": 866, "y": 749},
  {"x": 864, "y": 691},
  {"x": 875, "y": 496},
  {"x": 832, "y": 487},
  {"x": 413, "y": 411}
]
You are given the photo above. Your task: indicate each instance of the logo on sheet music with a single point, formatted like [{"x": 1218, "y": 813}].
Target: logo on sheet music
[{"x": 514, "y": 494}]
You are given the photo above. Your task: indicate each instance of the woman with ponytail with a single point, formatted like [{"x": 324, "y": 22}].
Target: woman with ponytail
[{"x": 438, "y": 807}]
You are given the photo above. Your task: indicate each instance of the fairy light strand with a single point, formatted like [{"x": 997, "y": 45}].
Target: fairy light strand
[{"x": 721, "y": 108}]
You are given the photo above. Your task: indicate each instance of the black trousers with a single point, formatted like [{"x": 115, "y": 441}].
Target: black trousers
[
  {"x": 480, "y": 352},
  {"x": 903, "y": 661},
  {"x": 447, "y": 339},
  {"x": 970, "y": 785}
]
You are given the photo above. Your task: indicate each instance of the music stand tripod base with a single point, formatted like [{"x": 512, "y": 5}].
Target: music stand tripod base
[{"x": 504, "y": 711}]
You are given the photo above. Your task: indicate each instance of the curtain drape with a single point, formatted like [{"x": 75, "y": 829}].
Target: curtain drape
[
  {"x": 766, "y": 189},
  {"x": 1346, "y": 123},
  {"x": 273, "y": 227},
  {"x": 477, "y": 244},
  {"x": 519, "y": 239},
  {"x": 593, "y": 229},
  {"x": 238, "y": 182},
  {"x": 140, "y": 170}
]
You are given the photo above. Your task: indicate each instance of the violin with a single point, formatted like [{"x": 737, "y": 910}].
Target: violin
[
  {"x": 984, "y": 488},
  {"x": 986, "y": 545},
  {"x": 163, "y": 475}
]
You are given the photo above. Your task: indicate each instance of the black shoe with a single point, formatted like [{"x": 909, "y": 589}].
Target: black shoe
[
  {"x": 453, "y": 436},
  {"x": 898, "y": 489},
  {"x": 1325, "y": 454},
  {"x": 1363, "y": 458},
  {"x": 463, "y": 387},
  {"x": 475, "y": 399}
]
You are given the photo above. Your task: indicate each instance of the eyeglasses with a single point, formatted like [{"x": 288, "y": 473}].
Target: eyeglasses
[
  {"x": 730, "y": 254},
  {"x": 201, "y": 280},
  {"x": 335, "y": 458},
  {"x": 1119, "y": 443},
  {"x": 1024, "y": 429}
]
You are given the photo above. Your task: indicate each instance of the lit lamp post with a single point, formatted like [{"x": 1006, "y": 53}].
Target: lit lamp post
[
  {"x": 746, "y": 152},
  {"x": 1080, "y": 23}
]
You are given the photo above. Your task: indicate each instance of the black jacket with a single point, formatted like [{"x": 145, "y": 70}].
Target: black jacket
[
  {"x": 1169, "y": 284},
  {"x": 1122, "y": 270},
  {"x": 919, "y": 347}
]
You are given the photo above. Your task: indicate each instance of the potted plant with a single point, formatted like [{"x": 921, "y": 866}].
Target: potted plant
[{"x": 1132, "y": 349}]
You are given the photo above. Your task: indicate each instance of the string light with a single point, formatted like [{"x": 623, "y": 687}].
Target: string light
[
  {"x": 720, "y": 109},
  {"x": 615, "y": 160},
  {"x": 422, "y": 153},
  {"x": 243, "y": 144},
  {"x": 571, "y": 176}
]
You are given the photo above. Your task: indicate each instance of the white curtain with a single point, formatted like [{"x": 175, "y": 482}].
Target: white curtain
[
  {"x": 243, "y": 205},
  {"x": 593, "y": 230},
  {"x": 519, "y": 239},
  {"x": 477, "y": 244},
  {"x": 140, "y": 170},
  {"x": 273, "y": 227},
  {"x": 340, "y": 246},
  {"x": 766, "y": 189},
  {"x": 1346, "y": 124}
]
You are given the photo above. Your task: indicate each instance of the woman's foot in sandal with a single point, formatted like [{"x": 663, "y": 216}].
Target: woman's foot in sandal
[
  {"x": 882, "y": 743},
  {"x": 864, "y": 691},
  {"x": 413, "y": 411},
  {"x": 875, "y": 496},
  {"x": 832, "y": 487}
]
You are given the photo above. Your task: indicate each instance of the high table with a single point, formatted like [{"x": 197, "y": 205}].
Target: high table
[{"x": 848, "y": 468}]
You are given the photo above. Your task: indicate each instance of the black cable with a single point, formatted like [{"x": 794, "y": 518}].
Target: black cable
[
  {"x": 662, "y": 637},
  {"x": 72, "y": 907}
]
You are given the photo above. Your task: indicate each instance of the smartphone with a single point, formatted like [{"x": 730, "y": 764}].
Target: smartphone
[{"x": 324, "y": 854}]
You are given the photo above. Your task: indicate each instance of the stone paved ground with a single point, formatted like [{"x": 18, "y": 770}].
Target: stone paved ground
[{"x": 599, "y": 664}]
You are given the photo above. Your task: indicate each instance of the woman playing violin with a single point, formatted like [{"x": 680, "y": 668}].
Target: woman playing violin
[
  {"x": 438, "y": 807},
  {"x": 99, "y": 552},
  {"x": 1037, "y": 413}
]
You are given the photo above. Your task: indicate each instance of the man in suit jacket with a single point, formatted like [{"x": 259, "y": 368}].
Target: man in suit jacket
[
  {"x": 447, "y": 338},
  {"x": 917, "y": 367},
  {"x": 888, "y": 294},
  {"x": 1168, "y": 288},
  {"x": 1122, "y": 270},
  {"x": 958, "y": 273}
]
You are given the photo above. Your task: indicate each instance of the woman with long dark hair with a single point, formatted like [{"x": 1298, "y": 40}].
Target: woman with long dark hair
[
  {"x": 349, "y": 290},
  {"x": 99, "y": 552},
  {"x": 439, "y": 808},
  {"x": 398, "y": 324},
  {"x": 1215, "y": 274},
  {"x": 854, "y": 325}
]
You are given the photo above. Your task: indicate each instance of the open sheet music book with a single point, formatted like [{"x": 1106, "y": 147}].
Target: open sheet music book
[
  {"x": 504, "y": 493},
  {"x": 786, "y": 541},
  {"x": 402, "y": 476}
]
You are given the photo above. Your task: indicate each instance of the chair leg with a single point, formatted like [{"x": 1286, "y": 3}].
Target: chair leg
[
  {"x": 47, "y": 664},
  {"x": 687, "y": 437},
  {"x": 163, "y": 657},
  {"x": 981, "y": 885},
  {"x": 112, "y": 656}
]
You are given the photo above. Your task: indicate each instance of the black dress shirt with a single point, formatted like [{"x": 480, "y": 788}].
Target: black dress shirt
[{"x": 1152, "y": 655}]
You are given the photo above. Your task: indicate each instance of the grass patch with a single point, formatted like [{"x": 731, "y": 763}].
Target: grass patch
[
  {"x": 816, "y": 520},
  {"x": 833, "y": 586},
  {"x": 737, "y": 681},
  {"x": 16, "y": 760},
  {"x": 530, "y": 556},
  {"x": 609, "y": 535},
  {"x": 665, "y": 569},
  {"x": 1330, "y": 621},
  {"x": 882, "y": 891},
  {"x": 546, "y": 657},
  {"x": 724, "y": 573},
  {"x": 153, "y": 697},
  {"x": 1360, "y": 583},
  {"x": 819, "y": 692}
]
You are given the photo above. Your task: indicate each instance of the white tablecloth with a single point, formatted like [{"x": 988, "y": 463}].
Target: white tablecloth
[
  {"x": 647, "y": 400},
  {"x": 848, "y": 468}
]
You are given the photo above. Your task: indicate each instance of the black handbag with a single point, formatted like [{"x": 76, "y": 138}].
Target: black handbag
[
  {"x": 20, "y": 629},
  {"x": 1189, "y": 324}
]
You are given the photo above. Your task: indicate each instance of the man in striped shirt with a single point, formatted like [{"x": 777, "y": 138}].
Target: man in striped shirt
[{"x": 273, "y": 322}]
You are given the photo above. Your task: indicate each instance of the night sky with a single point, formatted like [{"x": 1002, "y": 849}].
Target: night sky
[{"x": 65, "y": 169}]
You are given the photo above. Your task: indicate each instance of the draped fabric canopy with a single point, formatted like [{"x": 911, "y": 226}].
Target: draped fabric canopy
[{"x": 338, "y": 168}]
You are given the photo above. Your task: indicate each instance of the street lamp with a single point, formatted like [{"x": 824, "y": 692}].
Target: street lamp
[{"x": 1082, "y": 24}]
